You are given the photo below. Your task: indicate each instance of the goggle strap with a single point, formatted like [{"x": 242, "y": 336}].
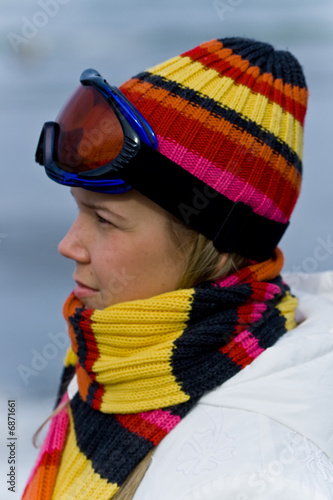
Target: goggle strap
[{"x": 202, "y": 207}]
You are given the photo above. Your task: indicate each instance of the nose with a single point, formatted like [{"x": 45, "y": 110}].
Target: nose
[{"x": 73, "y": 246}]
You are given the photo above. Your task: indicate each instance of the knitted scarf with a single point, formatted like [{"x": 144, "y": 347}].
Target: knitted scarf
[{"x": 142, "y": 365}]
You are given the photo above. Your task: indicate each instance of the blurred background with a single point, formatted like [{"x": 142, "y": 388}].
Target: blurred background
[{"x": 44, "y": 46}]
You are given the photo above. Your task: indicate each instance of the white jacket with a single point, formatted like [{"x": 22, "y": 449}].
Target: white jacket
[{"x": 267, "y": 433}]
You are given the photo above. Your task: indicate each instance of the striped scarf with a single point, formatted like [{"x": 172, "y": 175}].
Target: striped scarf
[{"x": 141, "y": 366}]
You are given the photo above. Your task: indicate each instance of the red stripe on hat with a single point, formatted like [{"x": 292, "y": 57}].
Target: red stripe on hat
[
  {"x": 155, "y": 97},
  {"x": 227, "y": 64},
  {"x": 203, "y": 141}
]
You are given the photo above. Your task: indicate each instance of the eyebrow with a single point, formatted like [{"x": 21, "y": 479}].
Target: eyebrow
[{"x": 97, "y": 206}]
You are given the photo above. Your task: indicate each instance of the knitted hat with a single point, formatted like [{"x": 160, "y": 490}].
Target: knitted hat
[{"x": 230, "y": 113}]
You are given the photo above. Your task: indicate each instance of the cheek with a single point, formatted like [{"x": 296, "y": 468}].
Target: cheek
[
  {"x": 161, "y": 260},
  {"x": 114, "y": 257},
  {"x": 129, "y": 267}
]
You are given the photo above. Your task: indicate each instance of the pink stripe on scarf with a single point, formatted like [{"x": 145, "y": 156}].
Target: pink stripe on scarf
[
  {"x": 249, "y": 343},
  {"x": 229, "y": 281},
  {"x": 258, "y": 309},
  {"x": 271, "y": 291},
  {"x": 229, "y": 185},
  {"x": 55, "y": 438},
  {"x": 161, "y": 418}
]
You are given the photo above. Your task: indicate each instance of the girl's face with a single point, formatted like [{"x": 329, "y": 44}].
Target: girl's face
[{"x": 122, "y": 248}]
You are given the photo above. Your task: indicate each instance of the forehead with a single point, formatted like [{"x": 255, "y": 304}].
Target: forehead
[
  {"x": 131, "y": 204},
  {"x": 105, "y": 199}
]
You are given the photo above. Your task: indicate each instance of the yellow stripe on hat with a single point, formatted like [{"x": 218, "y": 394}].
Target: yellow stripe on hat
[{"x": 238, "y": 97}]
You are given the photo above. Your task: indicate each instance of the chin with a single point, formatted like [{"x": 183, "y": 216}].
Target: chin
[{"x": 91, "y": 303}]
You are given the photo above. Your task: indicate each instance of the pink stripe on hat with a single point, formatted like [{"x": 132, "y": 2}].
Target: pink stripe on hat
[{"x": 225, "y": 182}]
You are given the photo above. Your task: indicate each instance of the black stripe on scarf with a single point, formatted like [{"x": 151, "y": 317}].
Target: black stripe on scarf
[
  {"x": 113, "y": 450},
  {"x": 197, "y": 363}
]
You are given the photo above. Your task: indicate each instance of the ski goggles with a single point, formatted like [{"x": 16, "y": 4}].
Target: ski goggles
[
  {"x": 96, "y": 134},
  {"x": 102, "y": 143}
]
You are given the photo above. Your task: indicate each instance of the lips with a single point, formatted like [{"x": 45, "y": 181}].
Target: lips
[{"x": 81, "y": 290}]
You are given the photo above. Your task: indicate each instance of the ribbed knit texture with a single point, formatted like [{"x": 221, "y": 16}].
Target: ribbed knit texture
[
  {"x": 231, "y": 112},
  {"x": 142, "y": 365}
]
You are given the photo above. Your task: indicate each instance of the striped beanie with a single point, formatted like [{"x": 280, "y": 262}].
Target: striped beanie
[{"x": 229, "y": 114}]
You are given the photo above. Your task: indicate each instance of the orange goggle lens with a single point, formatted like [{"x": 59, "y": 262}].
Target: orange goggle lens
[{"x": 90, "y": 133}]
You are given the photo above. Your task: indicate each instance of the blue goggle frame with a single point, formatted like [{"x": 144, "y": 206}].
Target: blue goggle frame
[{"x": 105, "y": 178}]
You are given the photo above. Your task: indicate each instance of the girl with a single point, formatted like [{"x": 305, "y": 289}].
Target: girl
[{"x": 187, "y": 375}]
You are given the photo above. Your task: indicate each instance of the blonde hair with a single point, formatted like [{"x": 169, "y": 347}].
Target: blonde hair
[{"x": 202, "y": 262}]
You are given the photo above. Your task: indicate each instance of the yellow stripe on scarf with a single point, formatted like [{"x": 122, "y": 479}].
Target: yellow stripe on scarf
[
  {"x": 70, "y": 358},
  {"x": 135, "y": 342},
  {"x": 76, "y": 477},
  {"x": 287, "y": 307}
]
